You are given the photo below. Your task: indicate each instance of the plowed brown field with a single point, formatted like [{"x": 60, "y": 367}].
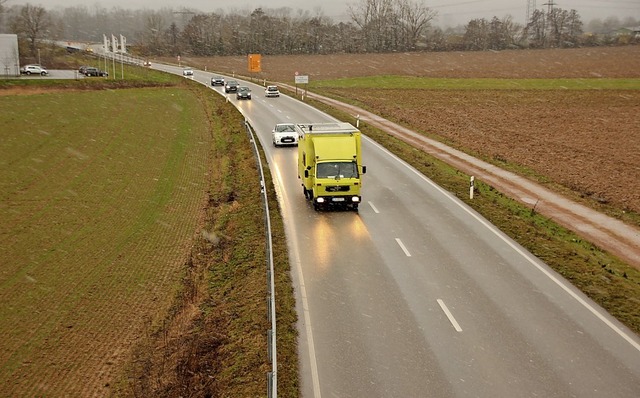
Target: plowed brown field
[{"x": 587, "y": 140}]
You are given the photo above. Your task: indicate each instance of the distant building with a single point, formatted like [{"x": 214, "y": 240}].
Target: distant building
[
  {"x": 633, "y": 32},
  {"x": 9, "y": 56}
]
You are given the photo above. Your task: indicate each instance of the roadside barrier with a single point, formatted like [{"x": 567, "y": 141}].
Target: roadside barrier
[{"x": 272, "y": 377}]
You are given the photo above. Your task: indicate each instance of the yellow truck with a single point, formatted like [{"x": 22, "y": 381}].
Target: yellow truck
[{"x": 330, "y": 164}]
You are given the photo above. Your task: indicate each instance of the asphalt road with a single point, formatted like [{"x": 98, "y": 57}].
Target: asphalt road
[{"x": 416, "y": 295}]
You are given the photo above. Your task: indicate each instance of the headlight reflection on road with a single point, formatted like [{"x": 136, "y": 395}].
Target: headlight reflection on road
[{"x": 331, "y": 237}]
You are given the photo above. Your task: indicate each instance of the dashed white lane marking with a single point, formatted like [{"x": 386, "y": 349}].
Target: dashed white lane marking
[
  {"x": 450, "y": 316},
  {"x": 404, "y": 249}
]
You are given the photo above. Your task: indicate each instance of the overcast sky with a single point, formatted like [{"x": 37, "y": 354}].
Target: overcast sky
[{"x": 450, "y": 12}]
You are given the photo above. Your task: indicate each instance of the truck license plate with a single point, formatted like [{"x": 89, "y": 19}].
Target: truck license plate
[{"x": 338, "y": 199}]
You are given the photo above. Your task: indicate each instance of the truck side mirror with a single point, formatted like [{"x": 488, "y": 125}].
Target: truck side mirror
[{"x": 364, "y": 169}]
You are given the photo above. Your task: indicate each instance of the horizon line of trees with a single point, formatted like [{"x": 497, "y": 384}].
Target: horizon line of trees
[{"x": 375, "y": 26}]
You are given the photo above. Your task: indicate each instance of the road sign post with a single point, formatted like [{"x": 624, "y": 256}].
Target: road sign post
[{"x": 304, "y": 79}]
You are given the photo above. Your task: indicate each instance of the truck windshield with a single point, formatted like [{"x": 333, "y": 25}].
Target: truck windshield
[{"x": 337, "y": 170}]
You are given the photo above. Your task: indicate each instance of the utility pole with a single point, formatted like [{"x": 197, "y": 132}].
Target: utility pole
[
  {"x": 550, "y": 5},
  {"x": 547, "y": 23},
  {"x": 531, "y": 7}
]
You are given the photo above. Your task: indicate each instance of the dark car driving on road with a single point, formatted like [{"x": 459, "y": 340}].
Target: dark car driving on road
[
  {"x": 231, "y": 86},
  {"x": 217, "y": 81},
  {"x": 91, "y": 71},
  {"x": 243, "y": 93}
]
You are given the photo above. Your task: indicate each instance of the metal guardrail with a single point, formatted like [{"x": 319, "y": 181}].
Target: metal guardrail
[{"x": 272, "y": 377}]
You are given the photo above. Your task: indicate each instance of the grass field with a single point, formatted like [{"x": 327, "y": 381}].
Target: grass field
[
  {"x": 101, "y": 193},
  {"x": 110, "y": 202}
]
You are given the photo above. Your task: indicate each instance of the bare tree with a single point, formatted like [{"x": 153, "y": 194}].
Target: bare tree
[
  {"x": 152, "y": 36},
  {"x": 374, "y": 18},
  {"x": 573, "y": 29},
  {"x": 415, "y": 17},
  {"x": 32, "y": 23},
  {"x": 536, "y": 31},
  {"x": 564, "y": 27},
  {"x": 503, "y": 33},
  {"x": 2, "y": 3},
  {"x": 476, "y": 36}
]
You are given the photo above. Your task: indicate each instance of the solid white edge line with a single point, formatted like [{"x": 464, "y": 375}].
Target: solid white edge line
[
  {"x": 307, "y": 324},
  {"x": 313, "y": 362},
  {"x": 404, "y": 249},
  {"x": 281, "y": 195},
  {"x": 526, "y": 256},
  {"x": 450, "y": 316}
]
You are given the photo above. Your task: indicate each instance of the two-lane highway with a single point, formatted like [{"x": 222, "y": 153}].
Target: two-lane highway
[{"x": 416, "y": 295}]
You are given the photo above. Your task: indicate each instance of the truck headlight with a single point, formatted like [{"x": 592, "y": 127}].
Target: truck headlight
[
  {"x": 355, "y": 199},
  {"x": 320, "y": 200}
]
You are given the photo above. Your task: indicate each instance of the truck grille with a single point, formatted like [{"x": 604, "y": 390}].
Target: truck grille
[{"x": 338, "y": 188}]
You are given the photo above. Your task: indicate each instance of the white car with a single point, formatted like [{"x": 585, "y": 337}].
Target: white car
[
  {"x": 284, "y": 134},
  {"x": 271, "y": 91},
  {"x": 34, "y": 70},
  {"x": 187, "y": 72}
]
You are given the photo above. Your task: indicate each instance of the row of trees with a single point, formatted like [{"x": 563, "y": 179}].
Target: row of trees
[
  {"x": 557, "y": 28},
  {"x": 373, "y": 26}
]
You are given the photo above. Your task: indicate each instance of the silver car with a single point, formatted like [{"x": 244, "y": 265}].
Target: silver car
[{"x": 34, "y": 70}]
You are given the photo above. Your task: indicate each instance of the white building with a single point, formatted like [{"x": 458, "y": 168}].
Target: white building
[{"x": 9, "y": 56}]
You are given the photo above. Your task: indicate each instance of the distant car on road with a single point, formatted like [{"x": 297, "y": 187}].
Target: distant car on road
[
  {"x": 187, "y": 72},
  {"x": 231, "y": 86},
  {"x": 217, "y": 81},
  {"x": 82, "y": 69},
  {"x": 34, "y": 70},
  {"x": 91, "y": 71},
  {"x": 243, "y": 93},
  {"x": 271, "y": 91},
  {"x": 284, "y": 134}
]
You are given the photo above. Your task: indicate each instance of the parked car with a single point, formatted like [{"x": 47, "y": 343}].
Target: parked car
[
  {"x": 217, "y": 81},
  {"x": 272, "y": 91},
  {"x": 187, "y": 72},
  {"x": 243, "y": 93},
  {"x": 231, "y": 86},
  {"x": 34, "y": 70},
  {"x": 284, "y": 134},
  {"x": 91, "y": 71}
]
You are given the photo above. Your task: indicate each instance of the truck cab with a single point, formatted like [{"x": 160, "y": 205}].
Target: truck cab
[{"x": 330, "y": 164}]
